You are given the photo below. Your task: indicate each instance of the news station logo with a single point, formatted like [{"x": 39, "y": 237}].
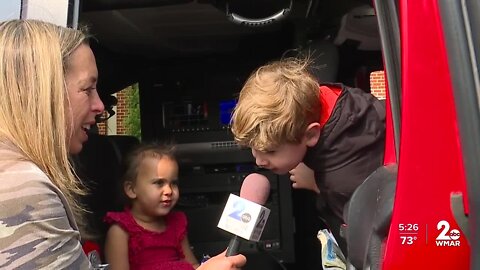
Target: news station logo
[
  {"x": 238, "y": 212},
  {"x": 447, "y": 237},
  {"x": 243, "y": 218}
]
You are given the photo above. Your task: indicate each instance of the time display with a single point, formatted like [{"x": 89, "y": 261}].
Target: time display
[{"x": 408, "y": 227}]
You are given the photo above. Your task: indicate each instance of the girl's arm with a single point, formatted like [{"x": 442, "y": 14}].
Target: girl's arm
[
  {"x": 189, "y": 256},
  {"x": 116, "y": 248}
]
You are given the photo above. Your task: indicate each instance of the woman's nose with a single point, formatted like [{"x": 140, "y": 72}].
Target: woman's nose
[{"x": 97, "y": 104}]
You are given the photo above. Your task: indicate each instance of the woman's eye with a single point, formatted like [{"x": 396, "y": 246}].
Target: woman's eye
[{"x": 89, "y": 90}]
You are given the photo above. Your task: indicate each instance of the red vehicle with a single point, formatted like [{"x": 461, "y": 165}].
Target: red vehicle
[
  {"x": 432, "y": 67},
  {"x": 434, "y": 78}
]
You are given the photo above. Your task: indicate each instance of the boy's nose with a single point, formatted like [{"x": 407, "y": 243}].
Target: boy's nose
[
  {"x": 261, "y": 162},
  {"x": 258, "y": 159}
]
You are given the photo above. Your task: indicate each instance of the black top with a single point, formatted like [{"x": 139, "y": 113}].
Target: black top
[{"x": 351, "y": 146}]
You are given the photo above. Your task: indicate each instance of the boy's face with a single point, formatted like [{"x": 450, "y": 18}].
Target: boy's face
[
  {"x": 287, "y": 156},
  {"x": 281, "y": 159}
]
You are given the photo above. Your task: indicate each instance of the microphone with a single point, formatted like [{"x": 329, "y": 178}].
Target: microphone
[{"x": 245, "y": 216}]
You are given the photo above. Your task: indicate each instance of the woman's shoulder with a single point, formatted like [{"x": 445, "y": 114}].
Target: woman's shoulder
[
  {"x": 36, "y": 211},
  {"x": 16, "y": 166},
  {"x": 24, "y": 184},
  {"x": 23, "y": 181}
]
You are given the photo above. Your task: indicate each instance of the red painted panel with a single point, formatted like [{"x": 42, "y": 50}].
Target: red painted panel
[{"x": 430, "y": 163}]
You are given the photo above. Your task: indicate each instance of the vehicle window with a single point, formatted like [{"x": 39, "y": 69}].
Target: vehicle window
[
  {"x": 10, "y": 9},
  {"x": 377, "y": 84},
  {"x": 124, "y": 117}
]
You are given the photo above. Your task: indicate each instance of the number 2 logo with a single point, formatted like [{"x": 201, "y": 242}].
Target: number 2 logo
[
  {"x": 238, "y": 208},
  {"x": 446, "y": 227},
  {"x": 446, "y": 233}
]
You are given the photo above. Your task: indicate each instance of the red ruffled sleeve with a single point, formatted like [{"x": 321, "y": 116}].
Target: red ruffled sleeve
[{"x": 123, "y": 219}]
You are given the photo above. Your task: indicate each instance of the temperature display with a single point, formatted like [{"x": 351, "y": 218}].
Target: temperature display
[{"x": 408, "y": 233}]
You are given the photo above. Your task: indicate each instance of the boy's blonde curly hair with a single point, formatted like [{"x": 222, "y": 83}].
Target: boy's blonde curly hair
[{"x": 276, "y": 105}]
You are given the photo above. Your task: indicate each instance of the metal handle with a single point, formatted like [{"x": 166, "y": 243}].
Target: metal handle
[{"x": 259, "y": 22}]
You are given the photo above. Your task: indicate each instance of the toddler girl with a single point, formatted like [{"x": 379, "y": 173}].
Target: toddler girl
[{"x": 147, "y": 234}]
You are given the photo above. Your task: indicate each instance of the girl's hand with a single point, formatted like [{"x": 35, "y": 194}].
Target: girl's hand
[
  {"x": 303, "y": 177},
  {"x": 221, "y": 262}
]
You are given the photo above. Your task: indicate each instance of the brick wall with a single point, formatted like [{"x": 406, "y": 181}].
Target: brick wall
[
  {"x": 377, "y": 84},
  {"x": 122, "y": 111},
  {"x": 102, "y": 127}
]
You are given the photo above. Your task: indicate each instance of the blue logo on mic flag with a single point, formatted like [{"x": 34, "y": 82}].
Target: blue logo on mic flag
[{"x": 238, "y": 207}]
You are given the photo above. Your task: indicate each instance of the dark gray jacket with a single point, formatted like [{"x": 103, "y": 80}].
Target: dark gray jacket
[{"x": 350, "y": 147}]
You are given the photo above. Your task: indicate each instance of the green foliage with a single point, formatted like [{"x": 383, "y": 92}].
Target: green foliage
[{"x": 132, "y": 120}]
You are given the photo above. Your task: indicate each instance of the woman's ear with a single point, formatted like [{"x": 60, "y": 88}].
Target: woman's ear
[
  {"x": 312, "y": 134},
  {"x": 129, "y": 189}
]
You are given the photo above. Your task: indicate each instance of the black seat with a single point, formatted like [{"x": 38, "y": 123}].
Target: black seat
[
  {"x": 368, "y": 216},
  {"x": 123, "y": 144}
]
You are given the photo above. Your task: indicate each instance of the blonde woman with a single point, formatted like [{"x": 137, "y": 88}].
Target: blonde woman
[{"x": 48, "y": 101}]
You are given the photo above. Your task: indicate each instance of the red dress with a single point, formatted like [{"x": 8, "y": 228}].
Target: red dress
[{"x": 149, "y": 250}]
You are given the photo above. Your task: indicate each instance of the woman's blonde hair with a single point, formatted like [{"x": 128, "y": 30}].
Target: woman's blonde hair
[
  {"x": 35, "y": 113},
  {"x": 276, "y": 105}
]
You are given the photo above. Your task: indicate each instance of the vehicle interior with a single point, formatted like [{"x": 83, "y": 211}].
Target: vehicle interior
[
  {"x": 196, "y": 54},
  {"x": 188, "y": 59}
]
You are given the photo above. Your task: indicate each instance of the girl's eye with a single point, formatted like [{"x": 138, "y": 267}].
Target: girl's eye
[{"x": 159, "y": 183}]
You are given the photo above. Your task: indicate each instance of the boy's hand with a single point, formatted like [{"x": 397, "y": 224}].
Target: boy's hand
[{"x": 303, "y": 177}]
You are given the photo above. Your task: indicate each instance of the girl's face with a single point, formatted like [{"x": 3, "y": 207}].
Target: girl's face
[
  {"x": 155, "y": 191},
  {"x": 85, "y": 104}
]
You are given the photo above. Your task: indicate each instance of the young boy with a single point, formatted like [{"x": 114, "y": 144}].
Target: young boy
[{"x": 286, "y": 117}]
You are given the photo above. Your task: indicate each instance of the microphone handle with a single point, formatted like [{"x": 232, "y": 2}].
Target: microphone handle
[{"x": 233, "y": 246}]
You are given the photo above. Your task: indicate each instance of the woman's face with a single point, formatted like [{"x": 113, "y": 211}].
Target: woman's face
[{"x": 81, "y": 80}]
